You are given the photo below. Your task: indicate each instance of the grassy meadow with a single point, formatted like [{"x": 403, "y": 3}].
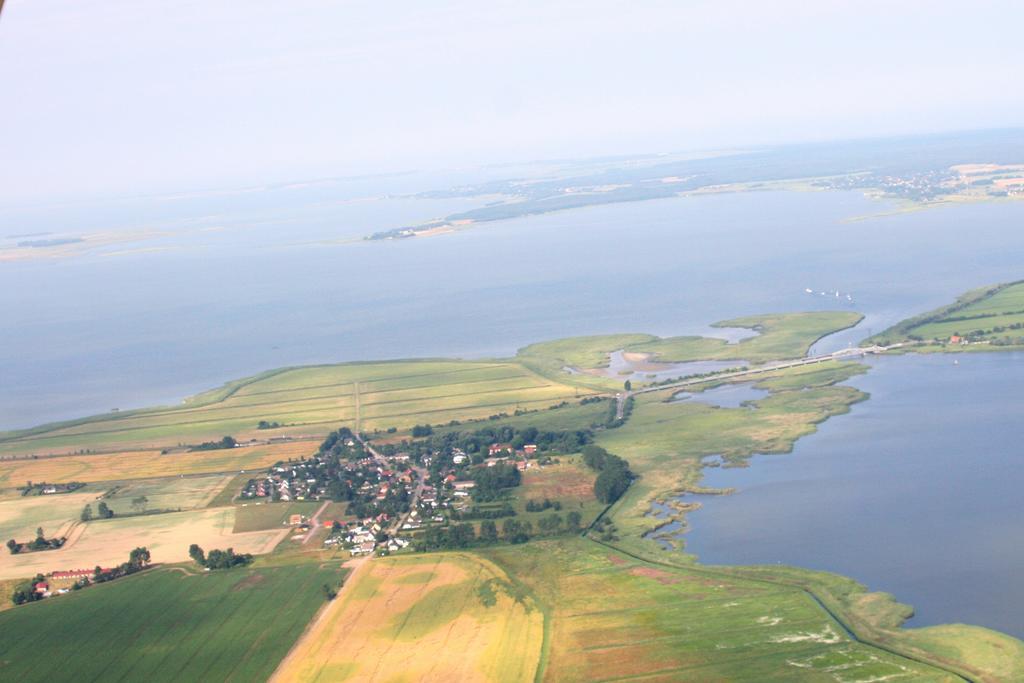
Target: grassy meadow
[
  {"x": 613, "y": 617},
  {"x": 166, "y": 624},
  {"x": 309, "y": 402},
  {"x": 985, "y": 313},
  {"x": 779, "y": 336},
  {"x": 784, "y": 335},
  {"x": 20, "y": 516},
  {"x": 441, "y": 617},
  {"x": 569, "y": 482},
  {"x": 264, "y": 516}
]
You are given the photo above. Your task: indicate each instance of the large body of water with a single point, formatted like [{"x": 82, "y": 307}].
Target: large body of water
[
  {"x": 917, "y": 492},
  {"x": 245, "y": 283}
]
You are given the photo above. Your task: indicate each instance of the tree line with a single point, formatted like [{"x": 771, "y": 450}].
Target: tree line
[
  {"x": 138, "y": 559},
  {"x": 461, "y": 536},
  {"x": 40, "y": 542},
  {"x": 225, "y": 442},
  {"x": 218, "y": 559},
  {"x": 614, "y": 475}
]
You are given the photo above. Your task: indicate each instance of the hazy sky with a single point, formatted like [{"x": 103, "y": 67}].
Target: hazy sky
[{"x": 141, "y": 95}]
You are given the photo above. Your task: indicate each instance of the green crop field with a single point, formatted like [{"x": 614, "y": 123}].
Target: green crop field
[
  {"x": 151, "y": 464},
  {"x": 613, "y": 617},
  {"x": 585, "y": 352},
  {"x": 565, "y": 418},
  {"x": 310, "y": 401},
  {"x": 261, "y": 516},
  {"x": 1002, "y": 309},
  {"x": 165, "y": 625},
  {"x": 991, "y": 314},
  {"x": 167, "y": 493}
]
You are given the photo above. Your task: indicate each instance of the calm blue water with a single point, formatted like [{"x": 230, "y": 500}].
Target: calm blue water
[
  {"x": 919, "y": 486},
  {"x": 725, "y": 396},
  {"x": 247, "y": 283},
  {"x": 917, "y": 492}
]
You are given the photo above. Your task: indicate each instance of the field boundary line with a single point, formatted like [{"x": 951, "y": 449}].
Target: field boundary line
[{"x": 321, "y": 615}]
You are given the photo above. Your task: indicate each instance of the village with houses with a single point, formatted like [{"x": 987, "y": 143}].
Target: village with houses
[{"x": 397, "y": 491}]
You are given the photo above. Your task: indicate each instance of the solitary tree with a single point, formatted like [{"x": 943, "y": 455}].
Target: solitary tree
[
  {"x": 87, "y": 513},
  {"x": 488, "y": 531},
  {"x": 573, "y": 519},
  {"x": 197, "y": 554},
  {"x": 139, "y": 557},
  {"x": 12, "y": 545},
  {"x": 628, "y": 386},
  {"x": 104, "y": 511}
]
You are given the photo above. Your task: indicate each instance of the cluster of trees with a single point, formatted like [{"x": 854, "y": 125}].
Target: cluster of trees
[
  {"x": 40, "y": 542},
  {"x": 103, "y": 511},
  {"x": 448, "y": 538},
  {"x": 335, "y": 447},
  {"x": 605, "y": 530},
  {"x": 419, "y": 431},
  {"x": 614, "y": 475},
  {"x": 491, "y": 482},
  {"x": 554, "y": 524},
  {"x": 38, "y": 487},
  {"x": 26, "y": 592},
  {"x": 218, "y": 559},
  {"x": 263, "y": 424},
  {"x": 138, "y": 559},
  {"x": 476, "y": 442},
  {"x": 225, "y": 442},
  {"x": 395, "y": 503},
  {"x": 542, "y": 505}
]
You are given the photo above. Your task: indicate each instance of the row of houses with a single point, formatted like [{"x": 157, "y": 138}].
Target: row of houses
[{"x": 361, "y": 538}]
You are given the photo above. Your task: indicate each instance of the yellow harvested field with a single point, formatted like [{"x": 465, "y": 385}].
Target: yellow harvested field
[
  {"x": 568, "y": 481},
  {"x": 987, "y": 169},
  {"x": 168, "y": 536},
  {"x": 20, "y": 516},
  {"x": 445, "y": 617},
  {"x": 147, "y": 464}
]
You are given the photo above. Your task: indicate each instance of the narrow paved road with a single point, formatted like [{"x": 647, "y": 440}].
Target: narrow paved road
[
  {"x": 421, "y": 482},
  {"x": 314, "y": 523}
]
